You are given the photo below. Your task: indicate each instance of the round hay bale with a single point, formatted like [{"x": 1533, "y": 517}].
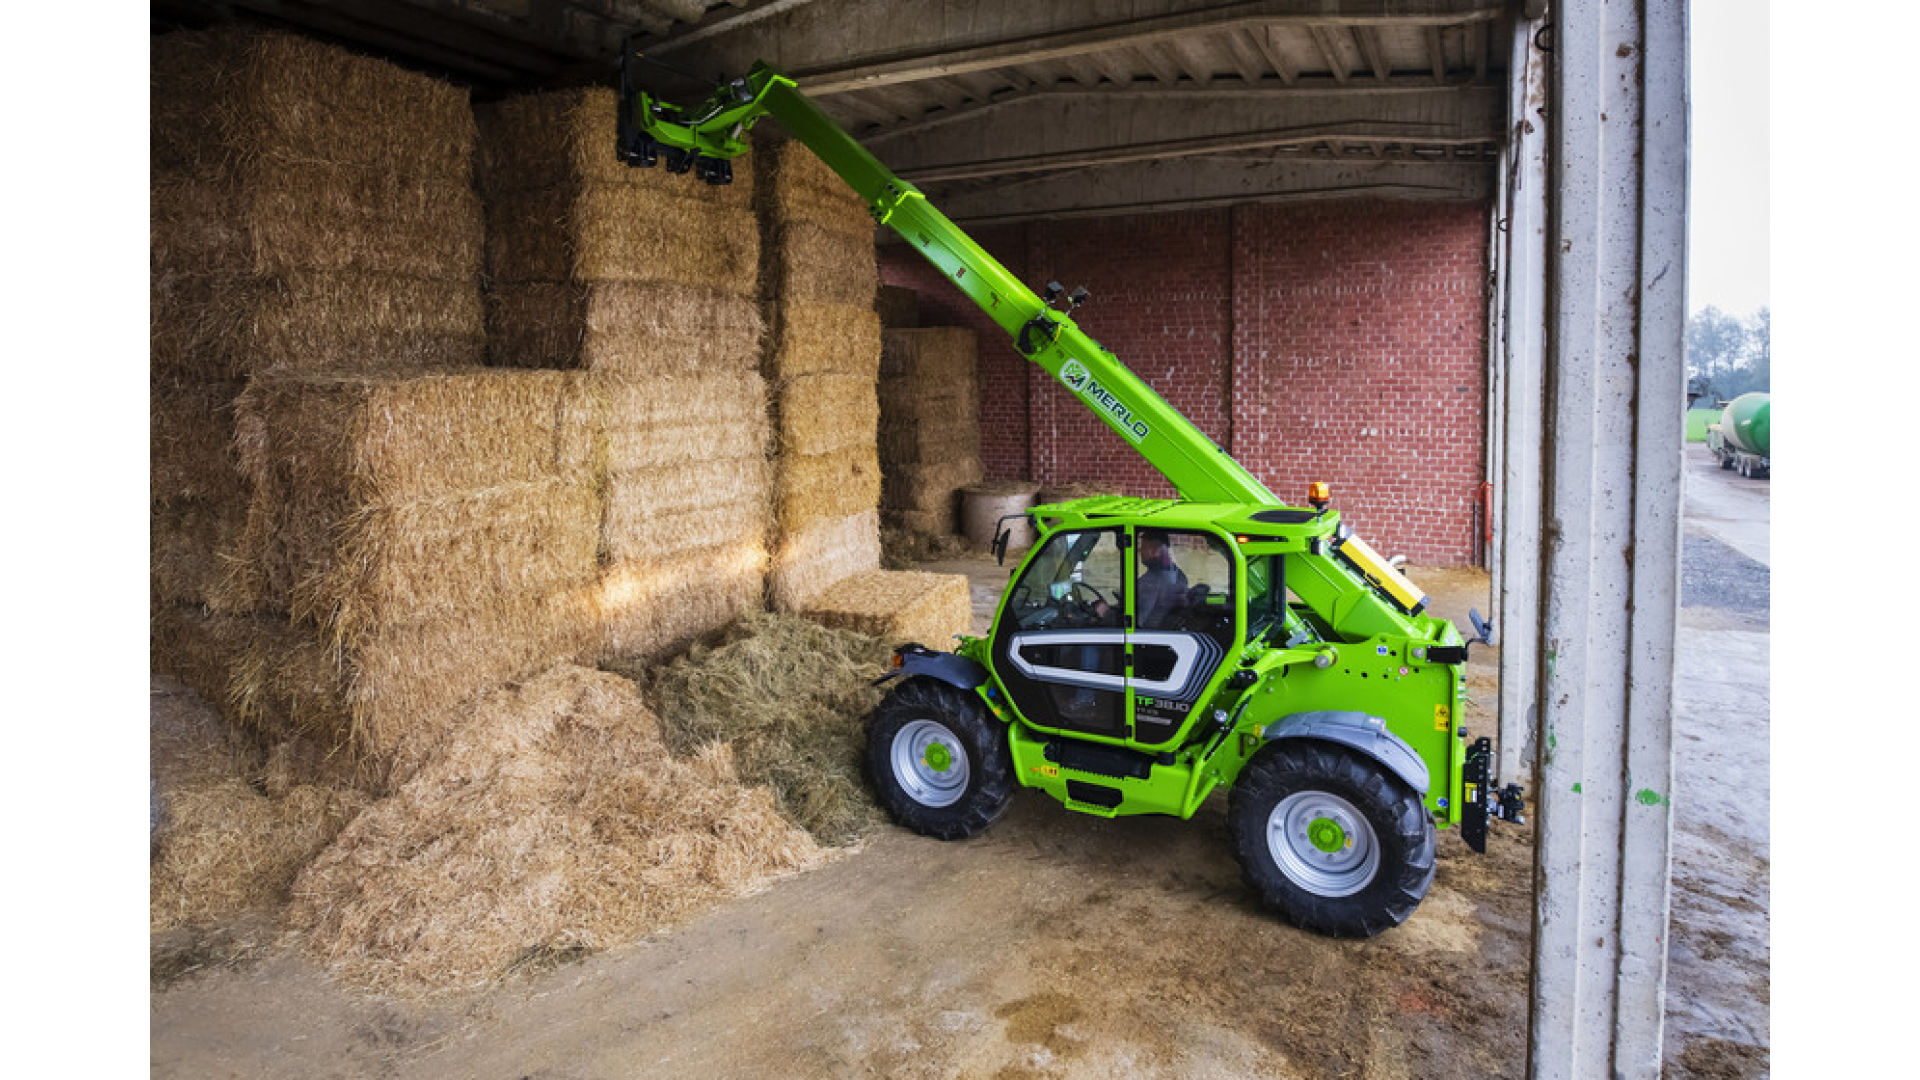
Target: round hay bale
[{"x": 983, "y": 505}]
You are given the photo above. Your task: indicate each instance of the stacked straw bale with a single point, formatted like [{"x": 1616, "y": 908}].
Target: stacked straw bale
[
  {"x": 929, "y": 427},
  {"x": 355, "y": 527},
  {"x": 311, "y": 210},
  {"x": 681, "y": 465},
  {"x": 819, "y": 276},
  {"x": 645, "y": 283},
  {"x": 412, "y": 541},
  {"x": 592, "y": 264},
  {"x": 406, "y": 541}
]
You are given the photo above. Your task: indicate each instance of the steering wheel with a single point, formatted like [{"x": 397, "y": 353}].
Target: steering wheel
[{"x": 1098, "y": 596}]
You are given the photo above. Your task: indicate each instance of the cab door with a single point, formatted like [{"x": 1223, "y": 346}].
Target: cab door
[
  {"x": 1059, "y": 646},
  {"x": 1181, "y": 629}
]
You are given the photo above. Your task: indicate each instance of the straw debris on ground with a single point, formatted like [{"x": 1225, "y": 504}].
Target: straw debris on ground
[
  {"x": 234, "y": 832},
  {"x": 905, "y": 549},
  {"x": 553, "y": 823},
  {"x": 791, "y": 698}
]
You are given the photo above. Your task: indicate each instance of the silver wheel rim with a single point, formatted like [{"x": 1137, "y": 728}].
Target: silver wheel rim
[
  {"x": 1322, "y": 843},
  {"x": 929, "y": 763}
]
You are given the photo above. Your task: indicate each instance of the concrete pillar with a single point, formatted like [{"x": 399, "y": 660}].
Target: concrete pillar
[
  {"x": 1615, "y": 378},
  {"x": 1518, "y": 439}
]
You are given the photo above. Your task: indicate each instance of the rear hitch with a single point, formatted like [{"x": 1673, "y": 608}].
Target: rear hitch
[{"x": 1482, "y": 800}]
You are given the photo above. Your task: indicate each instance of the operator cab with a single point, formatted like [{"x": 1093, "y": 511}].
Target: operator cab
[{"x": 1115, "y": 630}]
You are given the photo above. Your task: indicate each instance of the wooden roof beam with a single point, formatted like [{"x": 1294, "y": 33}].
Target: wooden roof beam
[{"x": 1329, "y": 51}]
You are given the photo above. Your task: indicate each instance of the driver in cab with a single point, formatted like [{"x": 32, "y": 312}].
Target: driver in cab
[{"x": 1161, "y": 588}]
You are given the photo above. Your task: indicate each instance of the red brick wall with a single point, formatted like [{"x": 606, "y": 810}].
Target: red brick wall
[{"x": 1337, "y": 341}]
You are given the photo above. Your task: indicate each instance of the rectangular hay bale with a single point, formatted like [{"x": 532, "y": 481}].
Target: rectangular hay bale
[
  {"x": 192, "y": 545},
  {"x": 793, "y": 185},
  {"x": 934, "y": 486},
  {"x": 615, "y": 232},
  {"x": 819, "y": 339},
  {"x": 927, "y": 443},
  {"x": 258, "y": 220},
  {"x": 566, "y": 136},
  {"x": 650, "y": 611},
  {"x": 677, "y": 508},
  {"x": 805, "y": 263},
  {"x": 898, "y": 606},
  {"x": 622, "y": 328},
  {"x": 215, "y": 327},
  {"x": 237, "y": 94},
  {"x": 328, "y": 454},
  {"x": 819, "y": 414},
  {"x": 816, "y": 487},
  {"x": 938, "y": 355},
  {"x": 618, "y": 424},
  {"x": 190, "y": 441},
  {"x": 808, "y": 560}
]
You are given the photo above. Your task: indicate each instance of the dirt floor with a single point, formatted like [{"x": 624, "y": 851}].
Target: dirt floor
[{"x": 1058, "y": 945}]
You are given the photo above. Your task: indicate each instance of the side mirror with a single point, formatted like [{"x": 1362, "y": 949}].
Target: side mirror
[
  {"x": 999, "y": 547},
  {"x": 1483, "y": 634}
]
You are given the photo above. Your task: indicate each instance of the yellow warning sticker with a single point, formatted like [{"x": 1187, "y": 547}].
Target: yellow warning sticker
[{"x": 1442, "y": 717}]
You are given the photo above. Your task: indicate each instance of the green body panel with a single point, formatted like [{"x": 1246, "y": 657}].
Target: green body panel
[
  {"x": 1374, "y": 655},
  {"x": 1747, "y": 423},
  {"x": 1355, "y": 647}
]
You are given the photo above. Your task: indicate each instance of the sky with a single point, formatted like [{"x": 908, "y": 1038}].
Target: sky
[{"x": 1728, "y": 242}]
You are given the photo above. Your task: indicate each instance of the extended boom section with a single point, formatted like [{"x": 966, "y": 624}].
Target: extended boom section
[{"x": 714, "y": 131}]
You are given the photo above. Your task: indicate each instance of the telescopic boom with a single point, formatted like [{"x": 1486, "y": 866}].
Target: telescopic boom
[{"x": 706, "y": 136}]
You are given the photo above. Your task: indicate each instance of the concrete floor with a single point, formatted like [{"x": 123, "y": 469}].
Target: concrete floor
[{"x": 1719, "y": 954}]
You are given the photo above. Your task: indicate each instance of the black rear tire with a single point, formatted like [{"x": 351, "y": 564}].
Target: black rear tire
[
  {"x": 938, "y": 762},
  {"x": 1330, "y": 839}
]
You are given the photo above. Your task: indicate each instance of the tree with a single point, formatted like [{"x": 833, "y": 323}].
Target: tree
[{"x": 1729, "y": 355}]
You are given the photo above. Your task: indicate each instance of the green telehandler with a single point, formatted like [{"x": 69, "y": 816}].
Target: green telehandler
[{"x": 1150, "y": 651}]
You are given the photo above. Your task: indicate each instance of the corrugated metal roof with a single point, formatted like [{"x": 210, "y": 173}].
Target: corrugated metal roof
[{"x": 1196, "y": 100}]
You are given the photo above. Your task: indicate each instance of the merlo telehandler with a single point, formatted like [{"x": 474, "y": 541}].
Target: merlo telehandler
[{"x": 1148, "y": 652}]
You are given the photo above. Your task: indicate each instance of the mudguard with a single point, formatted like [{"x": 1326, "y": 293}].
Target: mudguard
[
  {"x": 1367, "y": 734},
  {"x": 917, "y": 659}
]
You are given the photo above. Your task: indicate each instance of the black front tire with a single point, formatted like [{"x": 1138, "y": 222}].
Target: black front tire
[
  {"x": 1330, "y": 839},
  {"x": 938, "y": 762}
]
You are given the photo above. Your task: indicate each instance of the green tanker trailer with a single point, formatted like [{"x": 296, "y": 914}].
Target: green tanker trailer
[{"x": 1741, "y": 440}]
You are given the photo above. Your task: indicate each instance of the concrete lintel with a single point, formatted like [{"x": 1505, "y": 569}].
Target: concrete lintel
[
  {"x": 1195, "y": 183},
  {"x": 861, "y": 43},
  {"x": 1616, "y": 277},
  {"x": 1049, "y": 131}
]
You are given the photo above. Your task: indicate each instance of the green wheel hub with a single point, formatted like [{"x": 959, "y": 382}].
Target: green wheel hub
[
  {"x": 930, "y": 763},
  {"x": 1327, "y": 835}
]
